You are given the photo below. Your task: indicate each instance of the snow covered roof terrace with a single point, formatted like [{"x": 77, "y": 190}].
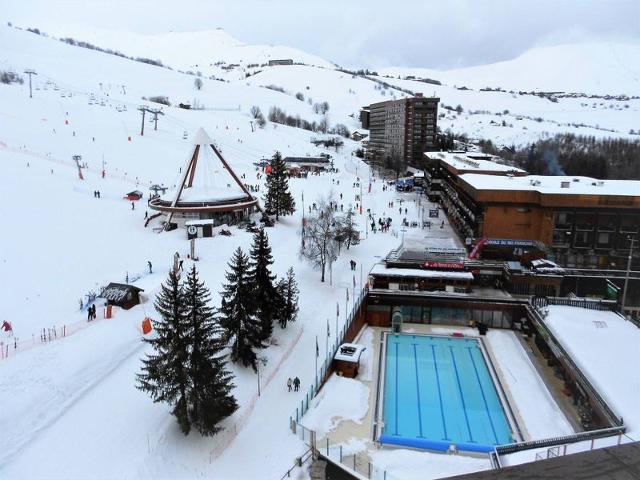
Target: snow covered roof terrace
[
  {"x": 474, "y": 162},
  {"x": 554, "y": 185}
]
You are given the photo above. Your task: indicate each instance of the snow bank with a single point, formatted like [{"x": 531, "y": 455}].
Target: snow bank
[
  {"x": 605, "y": 347},
  {"x": 410, "y": 464},
  {"x": 542, "y": 416},
  {"x": 340, "y": 399}
]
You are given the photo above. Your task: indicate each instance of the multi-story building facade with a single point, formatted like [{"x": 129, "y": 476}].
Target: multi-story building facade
[
  {"x": 401, "y": 131},
  {"x": 579, "y": 221}
]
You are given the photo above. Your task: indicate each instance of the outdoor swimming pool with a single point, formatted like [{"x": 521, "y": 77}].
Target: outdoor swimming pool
[{"x": 438, "y": 391}]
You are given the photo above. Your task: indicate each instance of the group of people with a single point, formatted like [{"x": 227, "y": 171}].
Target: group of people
[
  {"x": 352, "y": 263},
  {"x": 96, "y": 194},
  {"x": 295, "y": 383},
  {"x": 91, "y": 313}
]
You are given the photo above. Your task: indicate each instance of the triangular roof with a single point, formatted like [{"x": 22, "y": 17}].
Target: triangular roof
[
  {"x": 202, "y": 138},
  {"x": 206, "y": 176}
]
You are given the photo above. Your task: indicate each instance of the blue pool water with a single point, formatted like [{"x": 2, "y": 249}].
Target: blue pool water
[{"x": 437, "y": 392}]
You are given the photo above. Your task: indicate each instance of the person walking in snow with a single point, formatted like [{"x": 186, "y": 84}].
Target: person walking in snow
[
  {"x": 149, "y": 264},
  {"x": 89, "y": 313},
  {"x": 289, "y": 383},
  {"x": 296, "y": 384},
  {"x": 180, "y": 265},
  {"x": 133, "y": 206}
]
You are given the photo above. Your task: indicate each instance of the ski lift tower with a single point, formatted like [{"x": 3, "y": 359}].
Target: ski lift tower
[{"x": 77, "y": 159}]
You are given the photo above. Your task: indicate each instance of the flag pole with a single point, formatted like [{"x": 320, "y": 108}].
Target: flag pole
[
  {"x": 346, "y": 306},
  {"x": 326, "y": 357},
  {"x": 337, "y": 318}
]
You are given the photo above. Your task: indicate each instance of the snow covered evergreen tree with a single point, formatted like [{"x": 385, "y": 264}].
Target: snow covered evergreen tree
[
  {"x": 264, "y": 289},
  {"x": 238, "y": 312},
  {"x": 210, "y": 399},
  {"x": 165, "y": 374},
  {"x": 287, "y": 295},
  {"x": 278, "y": 200}
]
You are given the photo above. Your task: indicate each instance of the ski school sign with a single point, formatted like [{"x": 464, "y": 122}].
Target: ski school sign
[{"x": 445, "y": 265}]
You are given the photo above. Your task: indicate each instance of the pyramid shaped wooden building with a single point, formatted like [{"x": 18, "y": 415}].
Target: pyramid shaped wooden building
[{"x": 208, "y": 189}]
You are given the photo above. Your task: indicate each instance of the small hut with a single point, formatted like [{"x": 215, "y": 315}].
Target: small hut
[
  {"x": 121, "y": 295},
  {"x": 347, "y": 359},
  {"x": 135, "y": 195}
]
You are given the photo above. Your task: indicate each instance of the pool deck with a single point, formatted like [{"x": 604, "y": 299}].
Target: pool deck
[{"x": 348, "y": 431}]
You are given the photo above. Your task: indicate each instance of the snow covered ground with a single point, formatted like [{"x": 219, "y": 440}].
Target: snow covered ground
[
  {"x": 73, "y": 400},
  {"x": 69, "y": 406}
]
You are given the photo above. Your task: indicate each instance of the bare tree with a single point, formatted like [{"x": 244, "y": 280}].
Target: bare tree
[
  {"x": 323, "y": 126},
  {"x": 255, "y": 111},
  {"x": 320, "y": 246}
]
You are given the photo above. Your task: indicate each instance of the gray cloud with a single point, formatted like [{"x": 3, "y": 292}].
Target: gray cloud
[{"x": 419, "y": 33}]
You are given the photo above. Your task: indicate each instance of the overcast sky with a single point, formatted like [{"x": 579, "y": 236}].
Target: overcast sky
[{"x": 373, "y": 33}]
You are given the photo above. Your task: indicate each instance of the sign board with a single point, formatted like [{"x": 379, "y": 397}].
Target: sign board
[
  {"x": 192, "y": 230},
  {"x": 447, "y": 265},
  {"x": 504, "y": 242},
  {"x": 433, "y": 213}
]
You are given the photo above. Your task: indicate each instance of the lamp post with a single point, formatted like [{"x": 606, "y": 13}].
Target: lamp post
[{"x": 626, "y": 276}]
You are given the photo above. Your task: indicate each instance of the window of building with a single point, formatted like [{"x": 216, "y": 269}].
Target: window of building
[
  {"x": 561, "y": 237},
  {"x": 604, "y": 240},
  {"x": 563, "y": 219},
  {"x": 583, "y": 239}
]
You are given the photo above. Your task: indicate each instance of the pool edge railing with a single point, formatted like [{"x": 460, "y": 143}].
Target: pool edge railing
[{"x": 561, "y": 440}]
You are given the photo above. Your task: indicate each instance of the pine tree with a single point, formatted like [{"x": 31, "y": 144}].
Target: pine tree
[
  {"x": 238, "y": 312},
  {"x": 287, "y": 295},
  {"x": 210, "y": 399},
  {"x": 278, "y": 200},
  {"x": 263, "y": 282},
  {"x": 165, "y": 373}
]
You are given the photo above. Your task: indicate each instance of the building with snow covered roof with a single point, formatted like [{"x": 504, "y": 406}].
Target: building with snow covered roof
[
  {"x": 208, "y": 189},
  {"x": 575, "y": 221},
  {"x": 400, "y": 131},
  {"x": 311, "y": 164}
]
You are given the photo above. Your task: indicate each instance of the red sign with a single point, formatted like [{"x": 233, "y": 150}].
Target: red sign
[{"x": 449, "y": 265}]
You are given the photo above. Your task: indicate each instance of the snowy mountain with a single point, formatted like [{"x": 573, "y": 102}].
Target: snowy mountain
[
  {"x": 206, "y": 51},
  {"x": 604, "y": 68}
]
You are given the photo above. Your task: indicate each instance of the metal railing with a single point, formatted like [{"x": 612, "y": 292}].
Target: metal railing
[
  {"x": 353, "y": 462},
  {"x": 563, "y": 440},
  {"x": 591, "y": 304},
  {"x": 326, "y": 363}
]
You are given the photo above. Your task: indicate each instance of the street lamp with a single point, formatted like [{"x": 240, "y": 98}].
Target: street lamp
[{"x": 626, "y": 276}]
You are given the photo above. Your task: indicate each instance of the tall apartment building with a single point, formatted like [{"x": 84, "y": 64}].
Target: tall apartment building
[{"x": 400, "y": 131}]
